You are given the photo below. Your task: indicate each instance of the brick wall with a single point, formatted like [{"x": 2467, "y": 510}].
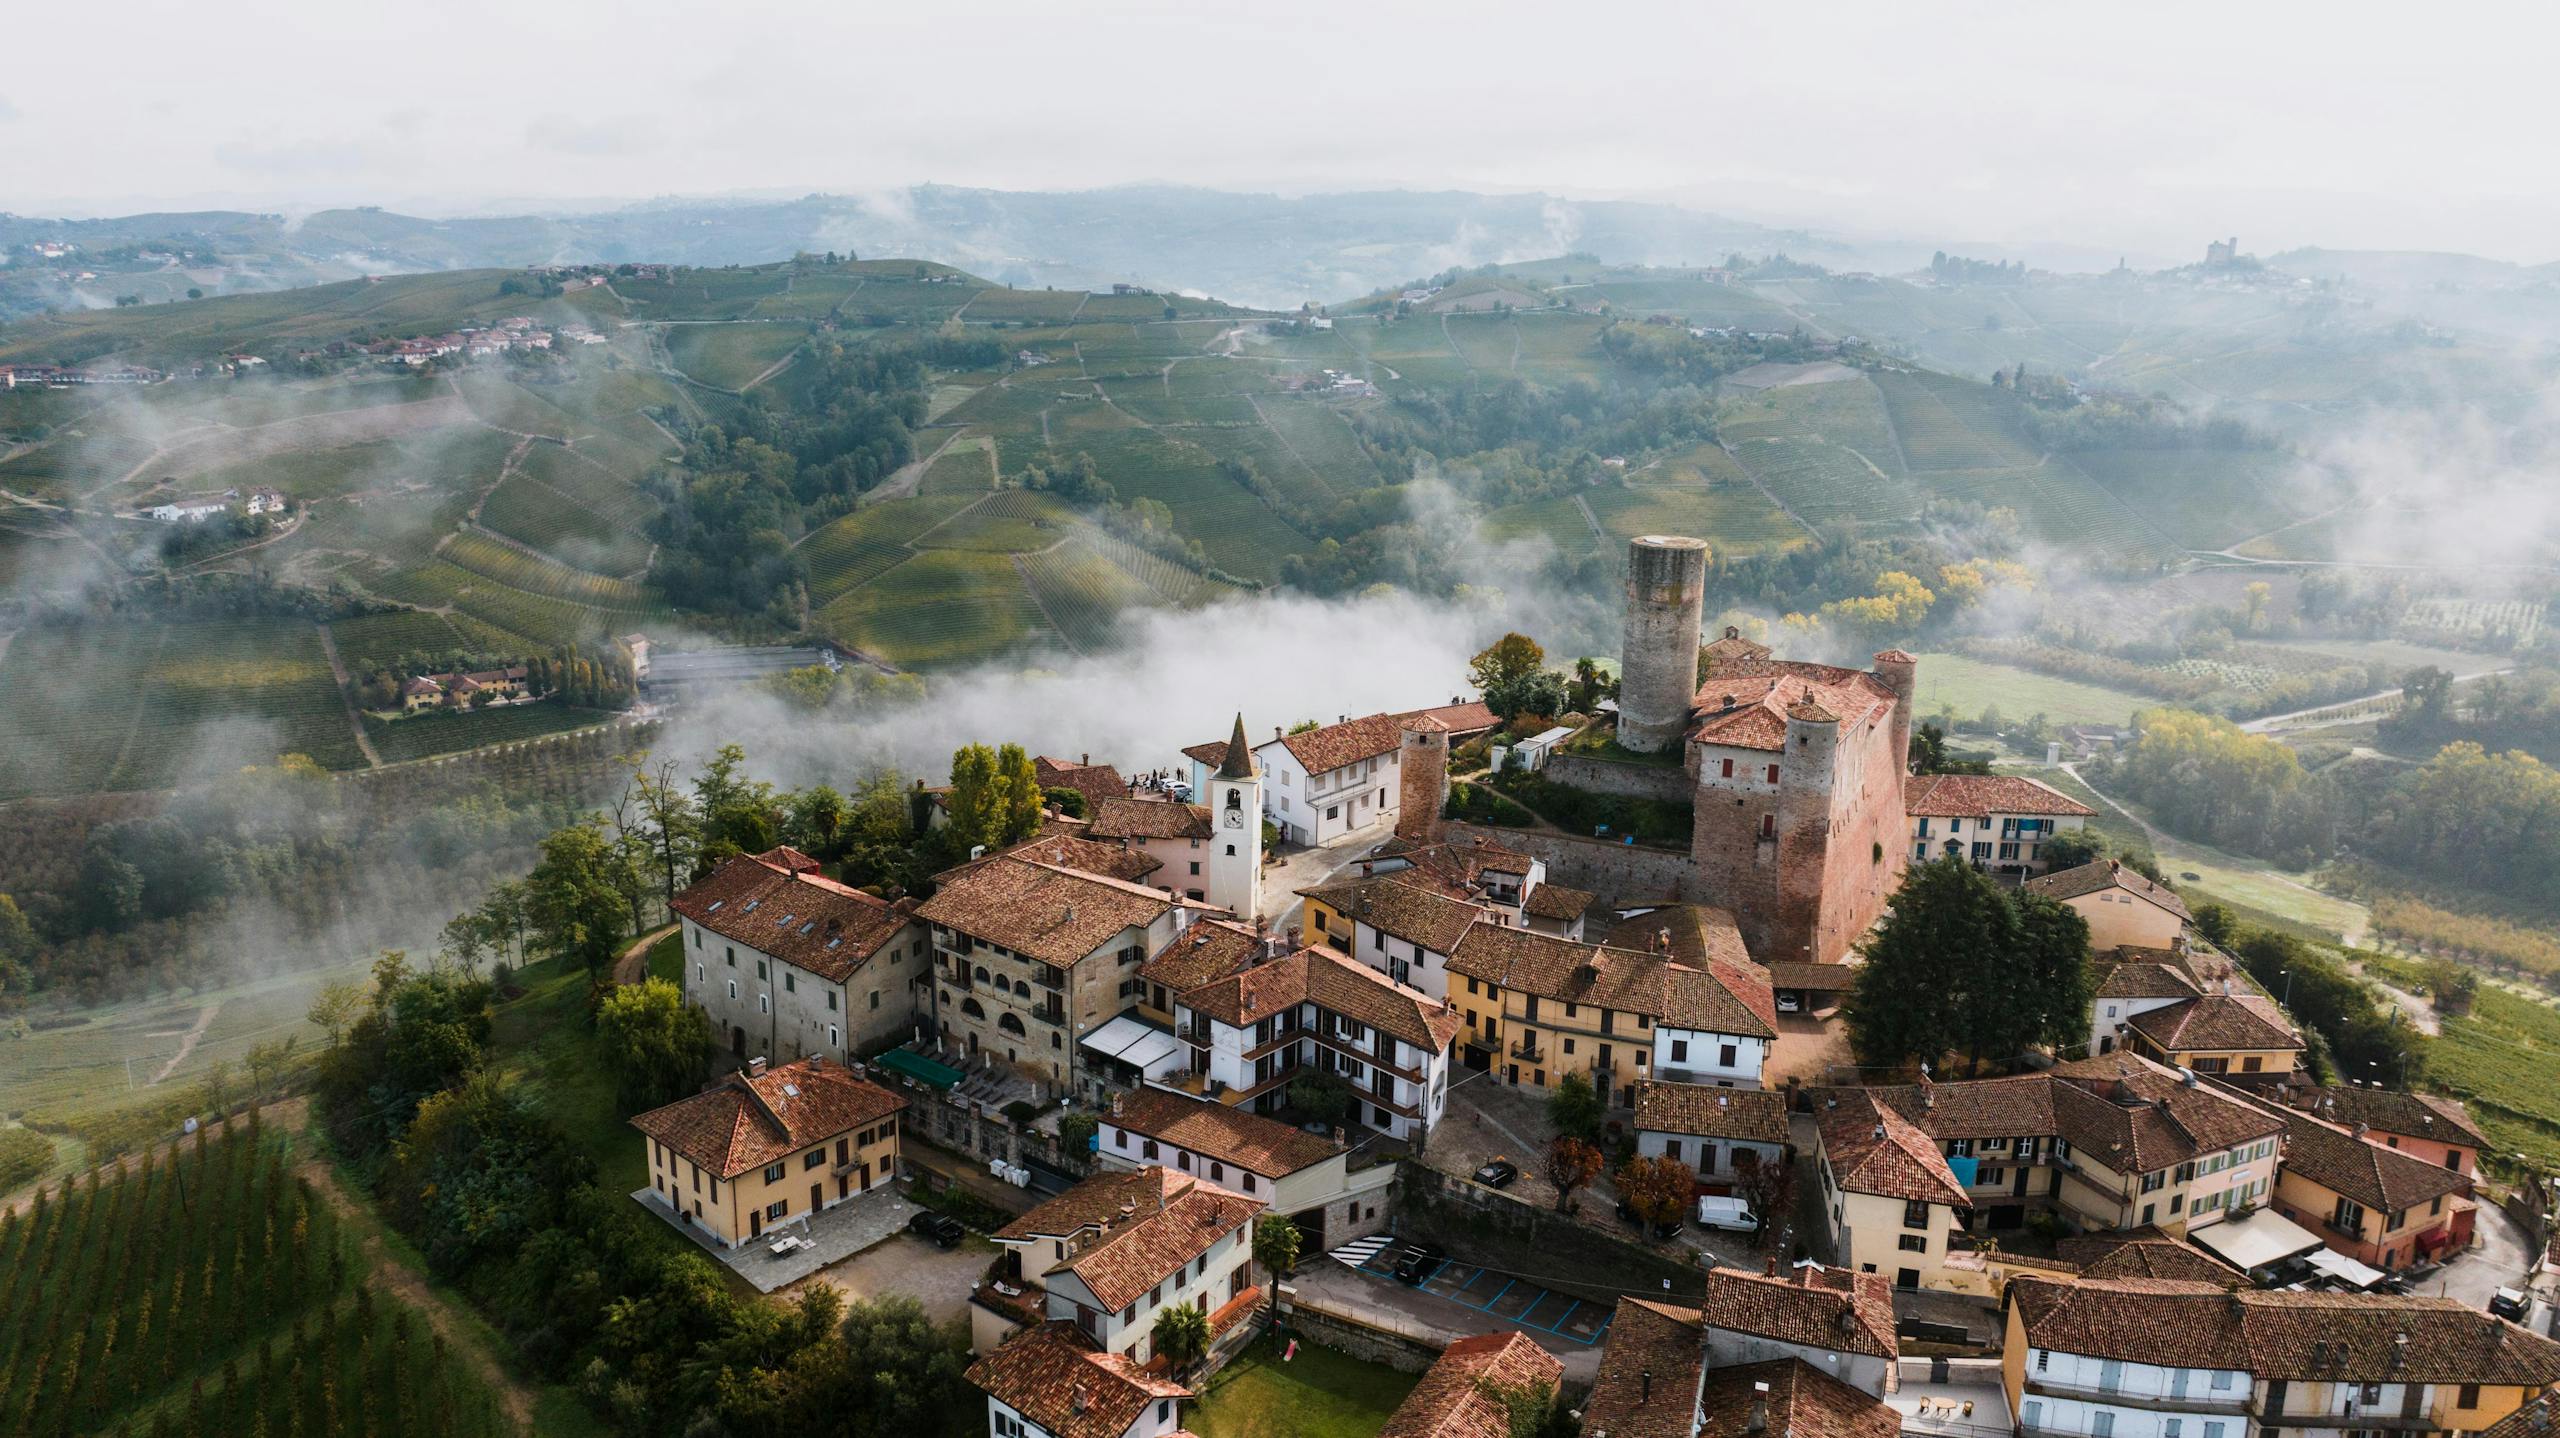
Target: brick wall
[
  {"x": 1613, "y": 871},
  {"x": 1635, "y": 781}
]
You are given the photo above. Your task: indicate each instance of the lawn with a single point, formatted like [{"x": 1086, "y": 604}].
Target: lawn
[
  {"x": 666, "y": 958},
  {"x": 543, "y": 1046},
  {"x": 1318, "y": 1394}
]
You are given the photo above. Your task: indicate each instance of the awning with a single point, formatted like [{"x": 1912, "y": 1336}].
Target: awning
[
  {"x": 1144, "y": 1047},
  {"x": 2344, "y": 1269},
  {"x": 2262, "y": 1238},
  {"x": 916, "y": 1066}
]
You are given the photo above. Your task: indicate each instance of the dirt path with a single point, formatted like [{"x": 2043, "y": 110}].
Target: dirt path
[
  {"x": 770, "y": 371},
  {"x": 2421, "y": 1014},
  {"x": 633, "y": 966},
  {"x": 909, "y": 475},
  {"x": 355, "y": 721},
  {"x": 187, "y": 1044},
  {"x": 1591, "y": 519},
  {"x": 2278, "y": 721},
  {"x": 461, "y": 1337}
]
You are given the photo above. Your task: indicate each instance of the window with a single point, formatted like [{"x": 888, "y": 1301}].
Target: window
[
  {"x": 773, "y": 1173},
  {"x": 2468, "y": 1396},
  {"x": 1768, "y": 826},
  {"x": 813, "y": 1158},
  {"x": 733, "y": 988},
  {"x": 1915, "y": 1243},
  {"x": 777, "y": 1208},
  {"x": 1915, "y": 1214},
  {"x": 1119, "y": 1138},
  {"x": 760, "y": 973},
  {"x": 2035, "y": 1410},
  {"x": 1725, "y": 1056},
  {"x": 790, "y": 982},
  {"x": 1195, "y": 866},
  {"x": 1149, "y": 1151},
  {"x": 1679, "y": 1051},
  {"x": 2213, "y": 1427},
  {"x": 875, "y": 999},
  {"x": 834, "y": 1040},
  {"x": 2044, "y": 1360},
  {"x": 2102, "y": 1424},
  {"x": 764, "y": 1003},
  {"x": 1773, "y": 773}
]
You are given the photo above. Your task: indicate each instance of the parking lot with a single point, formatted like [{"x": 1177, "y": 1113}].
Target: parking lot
[{"x": 1498, "y": 1295}]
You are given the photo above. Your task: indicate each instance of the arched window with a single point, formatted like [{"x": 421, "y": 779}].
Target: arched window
[
  {"x": 982, "y": 973},
  {"x": 1011, "y": 1025},
  {"x": 972, "y": 1008}
]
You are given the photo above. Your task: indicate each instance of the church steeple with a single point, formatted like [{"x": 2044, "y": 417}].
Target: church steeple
[{"x": 1239, "y": 759}]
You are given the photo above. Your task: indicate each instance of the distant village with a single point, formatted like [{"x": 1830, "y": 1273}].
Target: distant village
[{"x": 1271, "y": 986}]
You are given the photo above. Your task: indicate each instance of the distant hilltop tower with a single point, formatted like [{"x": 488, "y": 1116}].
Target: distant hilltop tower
[{"x": 1658, "y": 661}]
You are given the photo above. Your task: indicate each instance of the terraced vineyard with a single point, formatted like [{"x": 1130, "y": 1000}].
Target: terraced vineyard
[
  {"x": 589, "y": 482},
  {"x": 2203, "y": 498},
  {"x": 1012, "y": 521},
  {"x": 1175, "y": 583},
  {"x": 1735, "y": 520},
  {"x": 549, "y": 623},
  {"x": 1083, "y": 592},
  {"x": 426, "y": 736},
  {"x": 869, "y": 542},
  {"x": 1824, "y": 451},
  {"x": 518, "y": 570},
  {"x": 940, "y": 609}
]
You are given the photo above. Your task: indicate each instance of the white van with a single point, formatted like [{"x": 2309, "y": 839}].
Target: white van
[{"x": 1730, "y": 1214}]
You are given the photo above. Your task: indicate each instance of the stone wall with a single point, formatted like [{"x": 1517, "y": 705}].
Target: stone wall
[
  {"x": 1361, "y": 1337},
  {"x": 1666, "y": 782},
  {"x": 1613, "y": 871},
  {"x": 1536, "y": 1242}
]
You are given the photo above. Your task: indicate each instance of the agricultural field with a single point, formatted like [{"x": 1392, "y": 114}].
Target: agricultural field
[
  {"x": 429, "y": 735},
  {"x": 1558, "y": 521},
  {"x": 548, "y": 622},
  {"x": 1013, "y": 521},
  {"x": 940, "y": 609},
  {"x": 1826, "y": 452},
  {"x": 1734, "y": 519},
  {"x": 731, "y": 356},
  {"x": 965, "y": 466},
  {"x": 378, "y": 641},
  {"x": 1969, "y": 686},
  {"x": 121, "y": 705},
  {"x": 1316, "y": 433},
  {"x": 581, "y": 476},
  {"x": 1176, "y": 584},
  {"x": 536, "y": 515},
  {"x": 107, "y": 1327},
  {"x": 2499, "y": 1059},
  {"x": 2477, "y": 619},
  {"x": 1082, "y": 593},
  {"x": 519, "y": 570},
  {"x": 870, "y": 541},
  {"x": 2203, "y": 498}
]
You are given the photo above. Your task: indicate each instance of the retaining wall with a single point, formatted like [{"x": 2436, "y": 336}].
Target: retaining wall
[
  {"x": 1613, "y": 871},
  {"x": 1667, "y": 783}
]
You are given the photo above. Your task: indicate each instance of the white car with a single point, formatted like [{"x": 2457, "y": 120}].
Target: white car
[{"x": 1730, "y": 1214}]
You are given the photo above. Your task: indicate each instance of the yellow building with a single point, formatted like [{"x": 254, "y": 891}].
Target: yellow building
[
  {"x": 2145, "y": 1358},
  {"x": 2122, "y": 907},
  {"x": 2238, "y": 1032},
  {"x": 767, "y": 1147},
  {"x": 1894, "y": 1205}
]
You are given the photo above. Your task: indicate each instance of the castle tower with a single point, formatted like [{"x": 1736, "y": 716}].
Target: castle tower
[
  {"x": 1658, "y": 660},
  {"x": 1423, "y": 782},
  {"x": 1805, "y": 780},
  {"x": 1900, "y": 673},
  {"x": 1234, "y": 797}
]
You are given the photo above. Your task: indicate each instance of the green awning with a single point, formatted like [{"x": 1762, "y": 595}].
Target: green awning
[{"x": 917, "y": 1066}]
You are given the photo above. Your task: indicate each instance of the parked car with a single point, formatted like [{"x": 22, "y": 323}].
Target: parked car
[
  {"x": 1418, "y": 1262},
  {"x": 1733, "y": 1215},
  {"x": 1498, "y": 1174},
  {"x": 1788, "y": 1002},
  {"x": 1660, "y": 1232},
  {"x": 2510, "y": 1304},
  {"x": 941, "y": 1228}
]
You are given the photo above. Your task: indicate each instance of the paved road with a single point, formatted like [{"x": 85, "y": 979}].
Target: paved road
[{"x": 2497, "y": 1259}]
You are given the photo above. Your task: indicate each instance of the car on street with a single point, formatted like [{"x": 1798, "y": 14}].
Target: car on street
[
  {"x": 1733, "y": 1215},
  {"x": 1417, "y": 1261},
  {"x": 2510, "y": 1304},
  {"x": 941, "y": 1229},
  {"x": 1498, "y": 1174}
]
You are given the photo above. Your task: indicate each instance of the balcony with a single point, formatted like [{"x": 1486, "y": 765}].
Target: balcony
[
  {"x": 2200, "y": 1397},
  {"x": 1528, "y": 1050}
]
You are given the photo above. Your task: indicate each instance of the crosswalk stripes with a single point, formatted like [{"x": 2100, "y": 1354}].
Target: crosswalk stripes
[{"x": 1360, "y": 1251}]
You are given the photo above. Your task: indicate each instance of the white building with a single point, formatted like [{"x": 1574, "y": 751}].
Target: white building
[
  {"x": 1320, "y": 784},
  {"x": 1251, "y": 1034},
  {"x": 1049, "y": 1382},
  {"x": 1319, "y": 1184},
  {"x": 1106, "y": 1256},
  {"x": 188, "y": 511},
  {"x": 786, "y": 963},
  {"x": 1401, "y": 924},
  {"x": 1996, "y": 822}
]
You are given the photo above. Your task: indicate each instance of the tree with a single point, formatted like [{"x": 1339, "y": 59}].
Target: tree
[
  {"x": 1770, "y": 1189},
  {"x": 907, "y": 1374},
  {"x": 17, "y": 950},
  {"x": 1574, "y": 1109},
  {"x": 334, "y": 1007},
  {"x": 1657, "y": 1189},
  {"x": 1069, "y": 802},
  {"x": 1529, "y": 1410},
  {"x": 1275, "y": 1247},
  {"x": 674, "y": 825},
  {"x": 1018, "y": 784},
  {"x": 1181, "y": 1334},
  {"x": 1539, "y": 691},
  {"x": 2053, "y": 980},
  {"x": 1507, "y": 658},
  {"x": 817, "y": 820},
  {"x": 2068, "y": 850},
  {"x": 1571, "y": 1163},
  {"x": 1933, "y": 967},
  {"x": 1320, "y": 1097},
  {"x": 976, "y": 801},
  {"x": 2214, "y": 924},
  {"x": 657, "y": 1045},
  {"x": 464, "y": 940},
  {"x": 577, "y": 896}
]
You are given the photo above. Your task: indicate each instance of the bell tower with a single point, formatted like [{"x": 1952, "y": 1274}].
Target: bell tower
[{"x": 1234, "y": 797}]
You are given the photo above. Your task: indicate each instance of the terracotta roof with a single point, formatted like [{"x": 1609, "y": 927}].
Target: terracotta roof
[
  {"x": 2330, "y": 1337},
  {"x": 1213, "y": 753},
  {"x": 1746, "y": 703},
  {"x": 2138, "y": 979},
  {"x": 1460, "y": 719},
  {"x": 2384, "y": 1180},
  {"x": 1403, "y": 903},
  {"x": 1698, "y": 933},
  {"x": 1332, "y": 982},
  {"x": 1753, "y": 1115},
  {"x": 2020, "y": 1107},
  {"x": 1815, "y": 978},
  {"x": 1802, "y": 1402},
  {"x": 2099, "y": 874},
  {"x": 1096, "y": 782},
  {"x": 1724, "y": 998},
  {"x": 770, "y": 903},
  {"x": 1730, "y": 646},
  {"x": 1053, "y": 1376},
  {"x": 1320, "y": 751},
  {"x": 1152, "y": 1244},
  {"x": 1209, "y": 950},
  {"x": 1041, "y": 911},
  {"x": 1248, "y": 1140},
  {"x": 1091, "y": 1204},
  {"x": 1648, "y": 1372},
  {"x": 2216, "y": 1021},
  {"x": 2145, "y": 1253},
  {"x": 1555, "y": 901},
  {"x": 744, "y": 1123},
  {"x": 2531, "y": 1420},
  {"x": 2410, "y": 1115},
  {"x": 1451, "y": 1401},
  {"x": 2134, "y": 1115},
  {"x": 1148, "y": 819},
  {"x": 1873, "y": 1149},
  {"x": 1237, "y": 761},
  {"x": 1459, "y": 861},
  {"x": 1979, "y": 796},
  {"x": 1062, "y": 842},
  {"x": 1814, "y": 1306}
]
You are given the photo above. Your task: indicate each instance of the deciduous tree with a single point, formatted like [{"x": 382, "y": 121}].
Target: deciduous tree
[
  {"x": 657, "y": 1045},
  {"x": 1571, "y": 1163}
]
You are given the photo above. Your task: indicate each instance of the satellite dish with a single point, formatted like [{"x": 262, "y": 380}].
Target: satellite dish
[{"x": 190, "y": 1126}]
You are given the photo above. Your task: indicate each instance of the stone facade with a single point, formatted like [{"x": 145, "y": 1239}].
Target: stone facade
[
  {"x": 1423, "y": 775},
  {"x": 1658, "y": 666},
  {"x": 1805, "y": 848},
  {"x": 760, "y": 1006},
  {"x": 1658, "y": 782}
]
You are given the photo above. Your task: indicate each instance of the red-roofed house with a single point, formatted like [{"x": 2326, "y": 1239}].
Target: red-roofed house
[
  {"x": 1998, "y": 822},
  {"x": 786, "y": 962},
  {"x": 1892, "y": 1201},
  {"x": 770, "y": 1146}
]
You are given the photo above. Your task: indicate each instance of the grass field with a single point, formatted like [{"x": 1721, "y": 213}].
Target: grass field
[
  {"x": 730, "y": 356},
  {"x": 939, "y": 609},
  {"x": 1321, "y": 1393},
  {"x": 966, "y": 466},
  {"x": 1971, "y": 685},
  {"x": 1734, "y": 520}
]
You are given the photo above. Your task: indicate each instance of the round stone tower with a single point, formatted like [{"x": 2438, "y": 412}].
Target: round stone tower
[{"x": 1658, "y": 663}]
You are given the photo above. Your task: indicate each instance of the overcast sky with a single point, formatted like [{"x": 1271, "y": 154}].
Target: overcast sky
[{"x": 2139, "y": 125}]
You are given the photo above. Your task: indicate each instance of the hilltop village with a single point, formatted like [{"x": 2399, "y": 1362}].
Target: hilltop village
[{"x": 1271, "y": 1032}]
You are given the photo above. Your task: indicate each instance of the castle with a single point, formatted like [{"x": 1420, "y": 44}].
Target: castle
[{"x": 1795, "y": 769}]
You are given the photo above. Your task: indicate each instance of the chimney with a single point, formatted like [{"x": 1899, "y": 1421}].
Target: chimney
[
  {"x": 1644, "y": 1386},
  {"x": 1758, "y": 1422},
  {"x": 1084, "y": 761},
  {"x": 1081, "y": 1398},
  {"x": 755, "y": 1067},
  {"x": 2362, "y": 1128},
  {"x": 1115, "y": 1105},
  {"x": 1769, "y": 1266},
  {"x": 1275, "y": 731},
  {"x": 1071, "y": 913}
]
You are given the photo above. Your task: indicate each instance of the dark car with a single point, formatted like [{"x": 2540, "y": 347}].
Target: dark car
[
  {"x": 1418, "y": 1262},
  {"x": 1660, "y": 1232},
  {"x": 2510, "y": 1304},
  {"x": 1498, "y": 1174},
  {"x": 944, "y": 1230}
]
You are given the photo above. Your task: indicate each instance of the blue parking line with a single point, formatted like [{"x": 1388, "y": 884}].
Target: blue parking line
[
  {"x": 1470, "y": 1283},
  {"x": 1558, "y": 1325},
  {"x": 1497, "y": 1297}
]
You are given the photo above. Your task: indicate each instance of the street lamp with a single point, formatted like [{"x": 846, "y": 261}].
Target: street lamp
[{"x": 2288, "y": 986}]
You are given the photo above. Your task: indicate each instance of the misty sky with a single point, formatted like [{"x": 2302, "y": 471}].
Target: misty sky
[{"x": 2147, "y": 127}]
